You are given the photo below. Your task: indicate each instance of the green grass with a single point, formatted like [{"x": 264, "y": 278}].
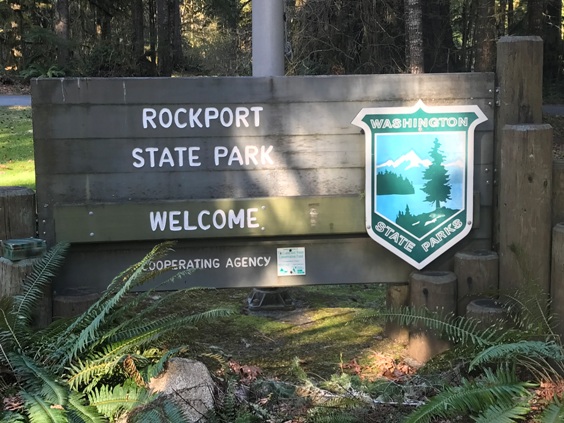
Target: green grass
[{"x": 17, "y": 167}]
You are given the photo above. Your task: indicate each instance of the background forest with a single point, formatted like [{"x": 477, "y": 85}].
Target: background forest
[{"x": 103, "y": 38}]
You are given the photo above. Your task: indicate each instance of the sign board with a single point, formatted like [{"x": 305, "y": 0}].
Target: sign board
[
  {"x": 419, "y": 177},
  {"x": 222, "y": 163}
]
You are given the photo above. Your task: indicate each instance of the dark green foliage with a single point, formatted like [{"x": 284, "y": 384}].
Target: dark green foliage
[
  {"x": 391, "y": 183},
  {"x": 554, "y": 412},
  {"x": 532, "y": 354},
  {"x": 476, "y": 396},
  {"x": 95, "y": 366},
  {"x": 438, "y": 185},
  {"x": 164, "y": 412},
  {"x": 110, "y": 59}
]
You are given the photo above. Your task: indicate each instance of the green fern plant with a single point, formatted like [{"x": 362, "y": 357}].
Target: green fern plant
[
  {"x": 490, "y": 396},
  {"x": 492, "y": 393},
  {"x": 527, "y": 347},
  {"x": 96, "y": 366},
  {"x": 554, "y": 413}
]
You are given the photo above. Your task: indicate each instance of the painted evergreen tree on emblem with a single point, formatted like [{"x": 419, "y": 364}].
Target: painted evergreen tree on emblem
[{"x": 437, "y": 186}]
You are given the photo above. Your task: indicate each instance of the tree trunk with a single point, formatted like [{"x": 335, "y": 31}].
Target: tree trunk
[
  {"x": 164, "y": 50},
  {"x": 534, "y": 14},
  {"x": 138, "y": 40},
  {"x": 553, "y": 39},
  {"x": 153, "y": 31},
  {"x": 485, "y": 37},
  {"x": 502, "y": 18},
  {"x": 62, "y": 31},
  {"x": 510, "y": 17},
  {"x": 414, "y": 31},
  {"x": 437, "y": 36},
  {"x": 145, "y": 67},
  {"x": 177, "y": 53}
]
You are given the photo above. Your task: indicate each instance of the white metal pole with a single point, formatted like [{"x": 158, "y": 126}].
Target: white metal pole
[{"x": 268, "y": 37}]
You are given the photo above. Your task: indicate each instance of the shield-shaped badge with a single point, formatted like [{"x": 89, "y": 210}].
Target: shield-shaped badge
[{"x": 419, "y": 177}]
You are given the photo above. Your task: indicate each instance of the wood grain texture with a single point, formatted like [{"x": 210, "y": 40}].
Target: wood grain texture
[
  {"x": 525, "y": 191},
  {"x": 477, "y": 274},
  {"x": 17, "y": 212}
]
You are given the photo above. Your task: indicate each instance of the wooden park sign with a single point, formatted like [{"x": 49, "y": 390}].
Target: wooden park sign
[{"x": 261, "y": 180}]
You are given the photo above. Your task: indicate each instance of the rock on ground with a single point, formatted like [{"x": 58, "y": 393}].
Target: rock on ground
[{"x": 186, "y": 383}]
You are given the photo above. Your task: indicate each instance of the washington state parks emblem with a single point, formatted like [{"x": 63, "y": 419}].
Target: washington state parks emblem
[{"x": 419, "y": 177}]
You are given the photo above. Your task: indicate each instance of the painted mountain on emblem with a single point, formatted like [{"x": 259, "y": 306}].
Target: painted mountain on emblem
[{"x": 411, "y": 167}]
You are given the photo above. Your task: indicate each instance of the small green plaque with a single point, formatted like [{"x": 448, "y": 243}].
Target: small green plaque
[{"x": 19, "y": 249}]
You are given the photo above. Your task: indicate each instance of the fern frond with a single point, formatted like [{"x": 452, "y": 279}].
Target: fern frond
[
  {"x": 32, "y": 289},
  {"x": 230, "y": 404},
  {"x": 504, "y": 413},
  {"x": 535, "y": 350},
  {"x": 554, "y": 413},
  {"x": 79, "y": 412},
  {"x": 8, "y": 335},
  {"x": 158, "y": 251},
  {"x": 38, "y": 379},
  {"x": 157, "y": 368},
  {"x": 97, "y": 313},
  {"x": 460, "y": 330},
  {"x": 473, "y": 396},
  {"x": 139, "y": 336},
  {"x": 116, "y": 286},
  {"x": 204, "y": 316},
  {"x": 164, "y": 411},
  {"x": 152, "y": 331},
  {"x": 87, "y": 373},
  {"x": 136, "y": 331},
  {"x": 40, "y": 411},
  {"x": 111, "y": 401},
  {"x": 125, "y": 321},
  {"x": 11, "y": 417}
]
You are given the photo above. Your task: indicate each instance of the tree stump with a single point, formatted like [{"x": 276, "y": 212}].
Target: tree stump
[
  {"x": 557, "y": 278},
  {"x": 65, "y": 306},
  {"x": 435, "y": 291},
  {"x": 12, "y": 276},
  {"x": 397, "y": 296},
  {"x": 487, "y": 311},
  {"x": 477, "y": 274},
  {"x": 17, "y": 213}
]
